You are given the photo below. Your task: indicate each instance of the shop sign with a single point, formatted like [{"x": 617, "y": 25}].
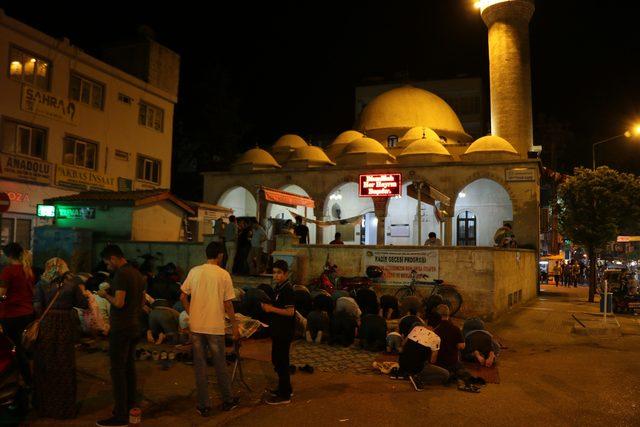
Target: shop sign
[
  {"x": 25, "y": 169},
  {"x": 48, "y": 105},
  {"x": 397, "y": 264},
  {"x": 75, "y": 212},
  {"x": 83, "y": 179},
  {"x": 520, "y": 175},
  {"x": 380, "y": 185}
]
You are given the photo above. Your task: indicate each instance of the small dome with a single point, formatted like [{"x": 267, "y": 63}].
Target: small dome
[
  {"x": 285, "y": 146},
  {"x": 334, "y": 149},
  {"x": 309, "y": 156},
  {"x": 490, "y": 147},
  {"x": 424, "y": 150},
  {"x": 407, "y": 107},
  {"x": 255, "y": 159},
  {"x": 417, "y": 132},
  {"x": 365, "y": 151},
  {"x": 288, "y": 142}
]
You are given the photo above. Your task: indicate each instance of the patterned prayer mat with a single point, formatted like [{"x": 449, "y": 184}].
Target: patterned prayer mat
[{"x": 326, "y": 358}]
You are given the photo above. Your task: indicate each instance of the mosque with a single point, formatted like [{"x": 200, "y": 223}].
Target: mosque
[{"x": 467, "y": 189}]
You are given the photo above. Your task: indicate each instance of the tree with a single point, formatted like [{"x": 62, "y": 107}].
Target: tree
[{"x": 597, "y": 206}]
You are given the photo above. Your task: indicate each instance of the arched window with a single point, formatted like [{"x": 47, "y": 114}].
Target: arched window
[{"x": 466, "y": 229}]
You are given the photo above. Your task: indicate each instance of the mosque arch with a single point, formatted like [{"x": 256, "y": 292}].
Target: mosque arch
[
  {"x": 491, "y": 205},
  {"x": 343, "y": 202},
  {"x": 241, "y": 200},
  {"x": 402, "y": 220},
  {"x": 280, "y": 212}
]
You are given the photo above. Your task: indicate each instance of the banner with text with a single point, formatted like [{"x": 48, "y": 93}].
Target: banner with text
[
  {"x": 83, "y": 179},
  {"x": 48, "y": 105},
  {"x": 25, "y": 169},
  {"x": 397, "y": 264}
]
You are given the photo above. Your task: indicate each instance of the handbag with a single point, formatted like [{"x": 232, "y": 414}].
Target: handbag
[{"x": 30, "y": 333}]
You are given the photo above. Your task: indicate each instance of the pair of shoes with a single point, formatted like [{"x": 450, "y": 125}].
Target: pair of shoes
[
  {"x": 273, "y": 392},
  {"x": 397, "y": 375},
  {"x": 230, "y": 405},
  {"x": 277, "y": 400},
  {"x": 306, "y": 368},
  {"x": 203, "y": 411},
  {"x": 469, "y": 388},
  {"x": 417, "y": 384},
  {"x": 112, "y": 422}
]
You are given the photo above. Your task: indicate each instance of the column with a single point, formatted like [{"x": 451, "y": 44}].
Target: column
[{"x": 380, "y": 208}]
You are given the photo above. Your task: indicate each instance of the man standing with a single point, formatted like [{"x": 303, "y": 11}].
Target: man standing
[
  {"x": 231, "y": 242},
  {"x": 126, "y": 297},
  {"x": 281, "y": 327},
  {"x": 433, "y": 240},
  {"x": 302, "y": 231},
  {"x": 258, "y": 237},
  {"x": 211, "y": 292}
]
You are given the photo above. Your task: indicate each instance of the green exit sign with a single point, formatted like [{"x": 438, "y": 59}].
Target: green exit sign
[{"x": 75, "y": 212}]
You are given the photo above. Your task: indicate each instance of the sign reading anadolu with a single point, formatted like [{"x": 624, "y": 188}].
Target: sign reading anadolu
[
  {"x": 48, "y": 105},
  {"x": 397, "y": 264},
  {"x": 25, "y": 169},
  {"x": 75, "y": 178}
]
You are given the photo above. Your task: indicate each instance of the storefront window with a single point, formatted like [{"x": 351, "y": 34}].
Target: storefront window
[{"x": 16, "y": 230}]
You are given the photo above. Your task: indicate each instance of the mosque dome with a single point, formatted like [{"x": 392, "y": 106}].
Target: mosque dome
[
  {"x": 286, "y": 145},
  {"x": 334, "y": 149},
  {"x": 255, "y": 159},
  {"x": 309, "y": 156},
  {"x": 407, "y": 107},
  {"x": 490, "y": 147},
  {"x": 363, "y": 152},
  {"x": 417, "y": 132},
  {"x": 424, "y": 150}
]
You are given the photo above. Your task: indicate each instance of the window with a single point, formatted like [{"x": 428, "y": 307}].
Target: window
[
  {"x": 466, "y": 229},
  {"x": 16, "y": 230},
  {"x": 28, "y": 68},
  {"x": 392, "y": 141},
  {"x": 22, "y": 139},
  {"x": 86, "y": 91},
  {"x": 80, "y": 153},
  {"x": 148, "y": 170},
  {"x": 125, "y": 99},
  {"x": 151, "y": 117}
]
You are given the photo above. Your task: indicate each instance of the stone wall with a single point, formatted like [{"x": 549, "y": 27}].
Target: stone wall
[{"x": 484, "y": 276}]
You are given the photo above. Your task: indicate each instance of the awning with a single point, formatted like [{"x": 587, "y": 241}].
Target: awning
[
  {"x": 285, "y": 198},
  {"x": 354, "y": 220},
  {"x": 428, "y": 194}
]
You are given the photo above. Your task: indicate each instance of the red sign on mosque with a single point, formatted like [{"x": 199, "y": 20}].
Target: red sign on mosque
[{"x": 380, "y": 185}]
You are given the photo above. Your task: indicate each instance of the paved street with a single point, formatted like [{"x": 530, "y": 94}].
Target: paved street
[{"x": 549, "y": 376}]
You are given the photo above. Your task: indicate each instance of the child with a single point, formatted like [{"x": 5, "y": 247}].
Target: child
[{"x": 282, "y": 328}]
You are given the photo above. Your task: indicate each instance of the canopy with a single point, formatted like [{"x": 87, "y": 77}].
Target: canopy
[
  {"x": 428, "y": 194},
  {"x": 353, "y": 220},
  {"x": 558, "y": 257},
  {"x": 285, "y": 198}
]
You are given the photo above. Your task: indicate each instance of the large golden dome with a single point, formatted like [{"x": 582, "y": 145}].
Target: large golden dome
[{"x": 407, "y": 107}]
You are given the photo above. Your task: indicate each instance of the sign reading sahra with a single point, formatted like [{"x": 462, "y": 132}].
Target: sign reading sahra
[
  {"x": 25, "y": 169},
  {"x": 83, "y": 179},
  {"x": 397, "y": 264},
  {"x": 380, "y": 185},
  {"x": 48, "y": 105}
]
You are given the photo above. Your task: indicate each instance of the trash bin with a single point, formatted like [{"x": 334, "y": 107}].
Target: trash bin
[{"x": 609, "y": 303}]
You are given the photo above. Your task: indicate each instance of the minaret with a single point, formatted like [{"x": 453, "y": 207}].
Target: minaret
[{"x": 510, "y": 70}]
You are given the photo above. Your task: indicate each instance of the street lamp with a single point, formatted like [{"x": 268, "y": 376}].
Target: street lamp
[{"x": 626, "y": 134}]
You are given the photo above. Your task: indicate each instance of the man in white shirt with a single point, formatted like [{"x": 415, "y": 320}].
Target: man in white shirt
[{"x": 211, "y": 292}]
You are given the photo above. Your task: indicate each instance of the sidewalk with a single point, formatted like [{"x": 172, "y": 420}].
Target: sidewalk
[{"x": 549, "y": 376}]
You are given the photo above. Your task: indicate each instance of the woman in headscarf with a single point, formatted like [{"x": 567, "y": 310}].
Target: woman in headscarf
[{"x": 54, "y": 352}]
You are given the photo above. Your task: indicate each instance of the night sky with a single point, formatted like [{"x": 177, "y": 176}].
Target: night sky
[{"x": 268, "y": 68}]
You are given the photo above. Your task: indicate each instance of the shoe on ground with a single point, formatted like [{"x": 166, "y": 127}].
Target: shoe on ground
[
  {"x": 230, "y": 405},
  {"x": 113, "y": 422},
  {"x": 273, "y": 392},
  {"x": 397, "y": 375},
  {"x": 277, "y": 400},
  {"x": 203, "y": 411},
  {"x": 417, "y": 384}
]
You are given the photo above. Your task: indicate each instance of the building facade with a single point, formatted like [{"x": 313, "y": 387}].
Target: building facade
[{"x": 70, "y": 122}]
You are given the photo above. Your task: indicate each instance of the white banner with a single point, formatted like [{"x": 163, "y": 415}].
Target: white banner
[{"x": 398, "y": 263}]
